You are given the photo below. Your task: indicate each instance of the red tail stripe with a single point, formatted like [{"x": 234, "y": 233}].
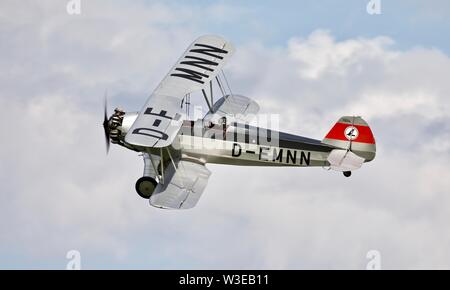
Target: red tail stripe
[{"x": 338, "y": 133}]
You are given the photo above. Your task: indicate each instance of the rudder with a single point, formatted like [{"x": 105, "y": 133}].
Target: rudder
[{"x": 354, "y": 134}]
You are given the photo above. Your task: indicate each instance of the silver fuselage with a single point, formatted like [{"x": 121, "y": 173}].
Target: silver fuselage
[{"x": 239, "y": 144}]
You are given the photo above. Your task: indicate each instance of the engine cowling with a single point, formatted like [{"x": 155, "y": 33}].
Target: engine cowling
[{"x": 119, "y": 123}]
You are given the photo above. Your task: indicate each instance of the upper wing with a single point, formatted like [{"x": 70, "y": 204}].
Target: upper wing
[
  {"x": 161, "y": 117},
  {"x": 199, "y": 64},
  {"x": 182, "y": 185},
  {"x": 235, "y": 108}
]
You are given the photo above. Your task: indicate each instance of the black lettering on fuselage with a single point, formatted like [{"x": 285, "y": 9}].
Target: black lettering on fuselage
[
  {"x": 263, "y": 153},
  {"x": 306, "y": 158},
  {"x": 291, "y": 157},
  {"x": 233, "y": 151},
  {"x": 278, "y": 156}
]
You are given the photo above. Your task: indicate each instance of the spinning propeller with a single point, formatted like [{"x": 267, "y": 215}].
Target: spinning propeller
[{"x": 106, "y": 127}]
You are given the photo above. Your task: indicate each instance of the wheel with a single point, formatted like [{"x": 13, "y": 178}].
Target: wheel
[
  {"x": 347, "y": 173},
  {"x": 145, "y": 186}
]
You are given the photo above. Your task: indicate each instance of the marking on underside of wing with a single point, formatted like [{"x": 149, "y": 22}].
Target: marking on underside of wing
[
  {"x": 199, "y": 62},
  {"x": 152, "y": 132}
]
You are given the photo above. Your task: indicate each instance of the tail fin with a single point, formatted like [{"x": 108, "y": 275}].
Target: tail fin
[{"x": 354, "y": 134}]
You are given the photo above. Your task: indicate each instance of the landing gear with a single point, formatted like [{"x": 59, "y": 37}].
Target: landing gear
[
  {"x": 145, "y": 186},
  {"x": 347, "y": 173}
]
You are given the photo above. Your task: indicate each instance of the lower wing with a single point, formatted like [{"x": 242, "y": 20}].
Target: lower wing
[{"x": 182, "y": 185}]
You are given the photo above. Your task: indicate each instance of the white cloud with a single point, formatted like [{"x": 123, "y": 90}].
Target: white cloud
[
  {"x": 60, "y": 192},
  {"x": 320, "y": 53}
]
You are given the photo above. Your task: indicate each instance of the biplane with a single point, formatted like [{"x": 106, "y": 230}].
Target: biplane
[{"x": 176, "y": 148}]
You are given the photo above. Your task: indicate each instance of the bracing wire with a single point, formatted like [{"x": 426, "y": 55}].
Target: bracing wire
[
  {"x": 228, "y": 86},
  {"x": 220, "y": 85},
  {"x": 226, "y": 82}
]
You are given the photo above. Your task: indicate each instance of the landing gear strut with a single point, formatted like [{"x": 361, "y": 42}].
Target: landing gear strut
[
  {"x": 347, "y": 173},
  {"x": 145, "y": 186}
]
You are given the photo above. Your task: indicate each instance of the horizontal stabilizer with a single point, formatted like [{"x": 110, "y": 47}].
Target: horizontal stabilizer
[{"x": 344, "y": 160}]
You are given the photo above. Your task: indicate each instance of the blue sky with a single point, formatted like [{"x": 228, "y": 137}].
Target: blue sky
[
  {"x": 308, "y": 61},
  {"x": 410, "y": 23}
]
